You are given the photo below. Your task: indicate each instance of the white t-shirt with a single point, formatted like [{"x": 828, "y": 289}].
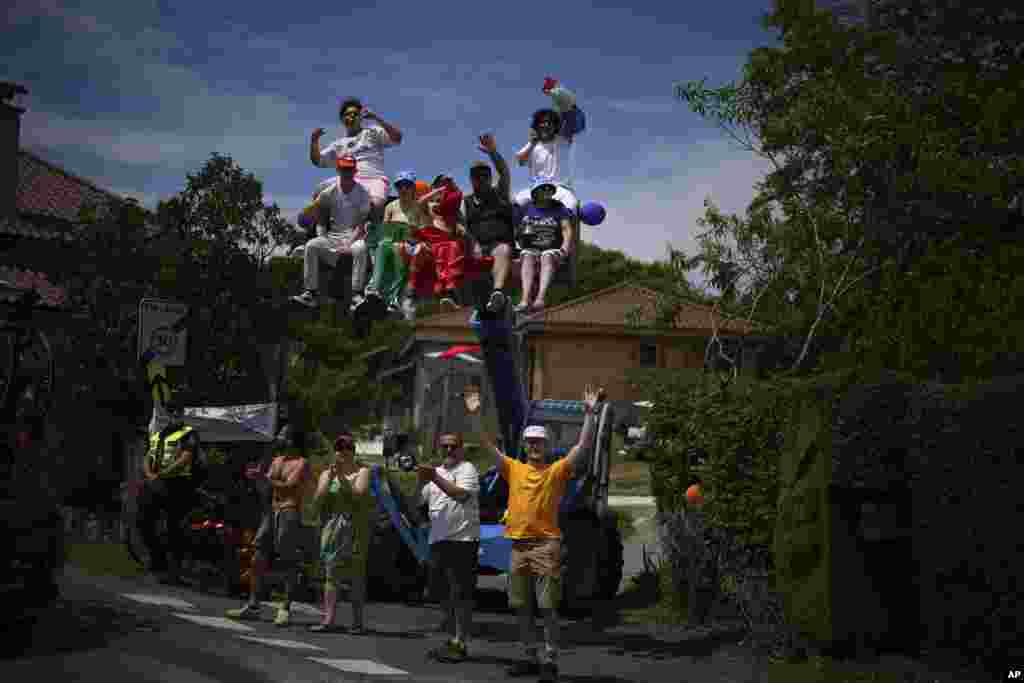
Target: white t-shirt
[
  {"x": 366, "y": 147},
  {"x": 451, "y": 520},
  {"x": 551, "y": 160},
  {"x": 347, "y": 209}
]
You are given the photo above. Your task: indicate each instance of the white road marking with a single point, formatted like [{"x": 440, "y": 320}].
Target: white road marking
[
  {"x": 162, "y": 600},
  {"x": 294, "y": 644},
  {"x": 217, "y": 622},
  {"x": 361, "y": 666}
]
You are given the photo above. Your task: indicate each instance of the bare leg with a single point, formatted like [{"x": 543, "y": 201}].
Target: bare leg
[
  {"x": 502, "y": 261},
  {"x": 548, "y": 266},
  {"x": 529, "y": 271}
]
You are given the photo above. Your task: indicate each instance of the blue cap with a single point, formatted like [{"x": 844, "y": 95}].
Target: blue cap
[
  {"x": 542, "y": 182},
  {"x": 405, "y": 177}
]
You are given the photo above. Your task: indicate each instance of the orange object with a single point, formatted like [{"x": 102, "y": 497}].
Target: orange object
[
  {"x": 422, "y": 188},
  {"x": 694, "y": 495}
]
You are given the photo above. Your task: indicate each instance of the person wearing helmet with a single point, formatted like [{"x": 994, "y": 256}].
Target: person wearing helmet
[
  {"x": 366, "y": 144},
  {"x": 535, "y": 493},
  {"x": 545, "y": 239},
  {"x": 348, "y": 206},
  {"x": 547, "y": 155}
]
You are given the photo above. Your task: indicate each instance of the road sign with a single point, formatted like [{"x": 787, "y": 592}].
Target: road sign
[{"x": 159, "y": 330}]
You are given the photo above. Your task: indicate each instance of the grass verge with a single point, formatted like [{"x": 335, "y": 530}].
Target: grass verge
[{"x": 103, "y": 559}]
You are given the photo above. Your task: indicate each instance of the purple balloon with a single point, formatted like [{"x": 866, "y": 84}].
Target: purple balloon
[{"x": 592, "y": 213}]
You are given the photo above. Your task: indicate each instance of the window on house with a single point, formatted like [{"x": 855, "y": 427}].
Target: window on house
[{"x": 647, "y": 356}]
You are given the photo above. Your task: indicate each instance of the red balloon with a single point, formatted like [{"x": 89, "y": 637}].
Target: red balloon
[{"x": 694, "y": 495}]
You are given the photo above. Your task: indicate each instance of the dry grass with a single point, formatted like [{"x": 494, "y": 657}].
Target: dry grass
[{"x": 630, "y": 478}]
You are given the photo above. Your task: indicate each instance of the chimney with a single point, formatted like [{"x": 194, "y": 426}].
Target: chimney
[{"x": 10, "y": 134}]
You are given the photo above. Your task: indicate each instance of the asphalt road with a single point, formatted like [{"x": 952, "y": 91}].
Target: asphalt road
[{"x": 110, "y": 630}]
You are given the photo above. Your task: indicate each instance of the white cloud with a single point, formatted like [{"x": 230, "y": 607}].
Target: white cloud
[
  {"x": 643, "y": 217},
  {"x": 643, "y": 106}
]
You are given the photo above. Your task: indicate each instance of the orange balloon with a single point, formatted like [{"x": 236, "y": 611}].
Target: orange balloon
[{"x": 694, "y": 495}]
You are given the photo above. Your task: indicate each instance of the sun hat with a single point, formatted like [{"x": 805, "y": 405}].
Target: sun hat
[{"x": 535, "y": 432}]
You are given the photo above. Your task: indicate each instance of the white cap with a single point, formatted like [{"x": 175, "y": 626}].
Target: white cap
[{"x": 535, "y": 432}]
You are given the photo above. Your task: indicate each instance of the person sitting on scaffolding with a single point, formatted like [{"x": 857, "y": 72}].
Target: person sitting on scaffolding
[
  {"x": 548, "y": 153},
  {"x": 365, "y": 144},
  {"x": 436, "y": 259},
  {"x": 545, "y": 238},
  {"x": 491, "y": 219},
  {"x": 345, "y": 207},
  {"x": 403, "y": 216}
]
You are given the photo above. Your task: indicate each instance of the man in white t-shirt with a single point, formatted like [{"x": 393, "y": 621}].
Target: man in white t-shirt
[
  {"x": 364, "y": 144},
  {"x": 451, "y": 493},
  {"x": 344, "y": 206},
  {"x": 548, "y": 156}
]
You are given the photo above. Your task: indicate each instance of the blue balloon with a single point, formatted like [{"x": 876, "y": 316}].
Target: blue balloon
[{"x": 592, "y": 213}]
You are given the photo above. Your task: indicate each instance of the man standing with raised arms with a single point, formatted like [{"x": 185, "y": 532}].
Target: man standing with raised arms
[{"x": 535, "y": 490}]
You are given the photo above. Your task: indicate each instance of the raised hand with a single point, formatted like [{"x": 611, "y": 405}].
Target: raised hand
[
  {"x": 472, "y": 398},
  {"x": 592, "y": 397},
  {"x": 318, "y": 133}
]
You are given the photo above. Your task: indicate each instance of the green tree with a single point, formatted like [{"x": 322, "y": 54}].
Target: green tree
[{"x": 892, "y": 141}]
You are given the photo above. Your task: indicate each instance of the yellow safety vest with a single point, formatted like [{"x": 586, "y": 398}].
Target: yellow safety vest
[{"x": 159, "y": 459}]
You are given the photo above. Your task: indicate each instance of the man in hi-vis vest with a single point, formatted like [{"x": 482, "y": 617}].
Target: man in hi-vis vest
[{"x": 169, "y": 490}]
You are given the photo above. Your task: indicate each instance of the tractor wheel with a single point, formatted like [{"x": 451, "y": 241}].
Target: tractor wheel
[
  {"x": 581, "y": 536},
  {"x": 610, "y": 568}
]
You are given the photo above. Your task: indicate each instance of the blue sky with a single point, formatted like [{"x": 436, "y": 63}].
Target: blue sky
[{"x": 134, "y": 95}]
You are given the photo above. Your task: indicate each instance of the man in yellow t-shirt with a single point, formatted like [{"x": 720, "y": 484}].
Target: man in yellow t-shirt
[{"x": 535, "y": 490}]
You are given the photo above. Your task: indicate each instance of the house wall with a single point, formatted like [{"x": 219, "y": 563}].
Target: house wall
[{"x": 562, "y": 365}]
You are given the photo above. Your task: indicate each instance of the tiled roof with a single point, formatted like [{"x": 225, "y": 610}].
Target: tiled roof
[
  {"x": 612, "y": 307},
  {"x": 48, "y": 190},
  {"x": 608, "y": 307}
]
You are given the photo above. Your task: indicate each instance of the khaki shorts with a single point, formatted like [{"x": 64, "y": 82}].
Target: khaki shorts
[
  {"x": 536, "y": 569},
  {"x": 537, "y": 556}
]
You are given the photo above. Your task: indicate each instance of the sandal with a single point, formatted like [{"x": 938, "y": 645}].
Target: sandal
[{"x": 326, "y": 628}]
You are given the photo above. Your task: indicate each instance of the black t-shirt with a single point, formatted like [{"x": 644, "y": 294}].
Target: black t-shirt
[
  {"x": 541, "y": 229},
  {"x": 490, "y": 218}
]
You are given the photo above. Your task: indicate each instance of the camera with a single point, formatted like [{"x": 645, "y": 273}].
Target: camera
[{"x": 407, "y": 462}]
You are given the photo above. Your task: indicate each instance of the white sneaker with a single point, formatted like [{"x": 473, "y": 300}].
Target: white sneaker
[
  {"x": 357, "y": 299},
  {"x": 307, "y": 298}
]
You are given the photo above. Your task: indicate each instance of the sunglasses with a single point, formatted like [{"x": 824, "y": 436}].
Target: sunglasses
[
  {"x": 348, "y": 113},
  {"x": 449, "y": 446}
]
